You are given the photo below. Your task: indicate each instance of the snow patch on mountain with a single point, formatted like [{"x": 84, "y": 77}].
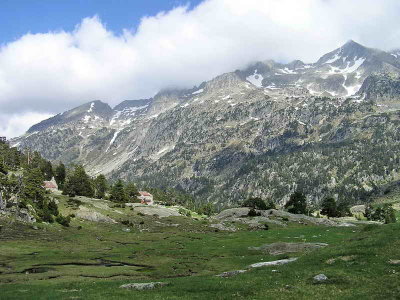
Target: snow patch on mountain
[
  {"x": 255, "y": 79},
  {"x": 333, "y": 59},
  {"x": 198, "y": 92},
  {"x": 91, "y": 107}
]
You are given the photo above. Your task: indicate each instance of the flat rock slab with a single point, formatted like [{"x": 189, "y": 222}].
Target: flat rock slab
[
  {"x": 272, "y": 263},
  {"x": 282, "y": 248},
  {"x": 223, "y": 227},
  {"x": 143, "y": 286},
  {"x": 231, "y": 273},
  {"x": 94, "y": 216},
  {"x": 160, "y": 211},
  {"x": 394, "y": 261},
  {"x": 233, "y": 213}
]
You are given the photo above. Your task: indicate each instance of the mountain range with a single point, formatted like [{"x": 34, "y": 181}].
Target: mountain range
[{"x": 326, "y": 128}]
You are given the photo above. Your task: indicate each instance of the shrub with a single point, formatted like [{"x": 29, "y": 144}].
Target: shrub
[
  {"x": 206, "y": 209},
  {"x": 253, "y": 213},
  {"x": 255, "y": 203},
  {"x": 271, "y": 204},
  {"x": 64, "y": 221},
  {"x": 53, "y": 208},
  {"x": 297, "y": 203},
  {"x": 383, "y": 213}
]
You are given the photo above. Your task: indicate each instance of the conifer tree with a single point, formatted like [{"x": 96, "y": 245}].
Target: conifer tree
[
  {"x": 47, "y": 169},
  {"x": 100, "y": 185},
  {"x": 32, "y": 186},
  {"x": 131, "y": 191},
  {"x": 118, "y": 192},
  {"x": 78, "y": 183},
  {"x": 60, "y": 175},
  {"x": 297, "y": 203},
  {"x": 329, "y": 207}
]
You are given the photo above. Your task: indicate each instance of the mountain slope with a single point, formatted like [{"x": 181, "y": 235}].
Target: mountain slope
[{"x": 265, "y": 131}]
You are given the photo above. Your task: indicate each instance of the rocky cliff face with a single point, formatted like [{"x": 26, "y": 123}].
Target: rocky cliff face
[{"x": 263, "y": 131}]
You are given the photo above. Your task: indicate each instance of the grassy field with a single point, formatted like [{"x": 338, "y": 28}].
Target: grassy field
[{"x": 91, "y": 260}]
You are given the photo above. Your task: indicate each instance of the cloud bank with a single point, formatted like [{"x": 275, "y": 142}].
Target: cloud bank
[{"x": 44, "y": 74}]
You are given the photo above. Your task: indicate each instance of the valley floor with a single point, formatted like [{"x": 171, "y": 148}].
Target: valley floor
[{"x": 91, "y": 260}]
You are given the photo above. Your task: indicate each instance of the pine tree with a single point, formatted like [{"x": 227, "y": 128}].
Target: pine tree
[
  {"x": 100, "y": 185},
  {"x": 47, "y": 169},
  {"x": 297, "y": 203},
  {"x": 118, "y": 192},
  {"x": 32, "y": 186},
  {"x": 131, "y": 192},
  {"x": 60, "y": 175},
  {"x": 329, "y": 207},
  {"x": 78, "y": 183}
]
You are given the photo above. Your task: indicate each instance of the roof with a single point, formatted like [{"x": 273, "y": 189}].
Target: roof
[
  {"x": 143, "y": 193},
  {"x": 49, "y": 185}
]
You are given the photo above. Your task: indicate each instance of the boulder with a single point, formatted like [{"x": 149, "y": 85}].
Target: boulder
[
  {"x": 143, "y": 286},
  {"x": 320, "y": 278}
]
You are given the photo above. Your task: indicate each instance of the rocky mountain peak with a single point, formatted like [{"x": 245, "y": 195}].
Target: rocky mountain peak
[
  {"x": 227, "y": 80},
  {"x": 351, "y": 52}
]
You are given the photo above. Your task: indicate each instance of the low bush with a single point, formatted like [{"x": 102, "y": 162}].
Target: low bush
[
  {"x": 64, "y": 221},
  {"x": 253, "y": 213},
  {"x": 255, "y": 203}
]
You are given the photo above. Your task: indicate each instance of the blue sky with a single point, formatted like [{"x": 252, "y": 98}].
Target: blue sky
[{"x": 18, "y": 17}]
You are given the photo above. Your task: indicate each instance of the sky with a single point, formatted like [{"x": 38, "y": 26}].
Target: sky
[{"x": 58, "y": 54}]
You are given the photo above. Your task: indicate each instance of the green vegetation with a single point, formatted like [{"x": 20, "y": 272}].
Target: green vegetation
[
  {"x": 60, "y": 175},
  {"x": 258, "y": 203},
  {"x": 118, "y": 193},
  {"x": 91, "y": 260},
  {"x": 382, "y": 212},
  {"x": 131, "y": 192},
  {"x": 297, "y": 203},
  {"x": 100, "y": 186},
  {"x": 331, "y": 209},
  {"x": 78, "y": 183}
]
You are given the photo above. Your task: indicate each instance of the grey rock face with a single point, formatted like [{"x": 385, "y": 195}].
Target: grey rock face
[{"x": 22, "y": 214}]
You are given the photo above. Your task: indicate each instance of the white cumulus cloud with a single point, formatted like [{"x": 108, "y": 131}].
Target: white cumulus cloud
[{"x": 42, "y": 74}]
